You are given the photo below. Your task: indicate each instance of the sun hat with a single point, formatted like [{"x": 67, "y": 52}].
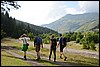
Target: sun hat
[{"x": 24, "y": 35}]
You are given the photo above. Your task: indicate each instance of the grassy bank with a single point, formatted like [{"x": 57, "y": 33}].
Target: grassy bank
[{"x": 10, "y": 60}]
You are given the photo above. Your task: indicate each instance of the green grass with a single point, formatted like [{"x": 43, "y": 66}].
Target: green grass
[
  {"x": 77, "y": 46},
  {"x": 81, "y": 60},
  {"x": 76, "y": 59},
  {"x": 10, "y": 60}
]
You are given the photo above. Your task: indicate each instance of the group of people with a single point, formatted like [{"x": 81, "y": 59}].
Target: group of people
[{"x": 38, "y": 43}]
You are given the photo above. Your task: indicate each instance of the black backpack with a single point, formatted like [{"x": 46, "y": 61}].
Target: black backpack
[
  {"x": 64, "y": 40},
  {"x": 54, "y": 42}
]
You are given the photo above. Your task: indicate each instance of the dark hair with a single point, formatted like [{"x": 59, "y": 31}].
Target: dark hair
[
  {"x": 52, "y": 35},
  {"x": 37, "y": 34},
  {"x": 60, "y": 34}
]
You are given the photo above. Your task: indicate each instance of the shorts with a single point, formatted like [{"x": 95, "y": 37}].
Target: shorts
[
  {"x": 61, "y": 48},
  {"x": 24, "y": 47},
  {"x": 37, "y": 48}
]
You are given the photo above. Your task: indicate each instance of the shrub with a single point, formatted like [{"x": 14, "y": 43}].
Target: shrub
[
  {"x": 92, "y": 45},
  {"x": 77, "y": 40},
  {"x": 84, "y": 45},
  {"x": 46, "y": 41}
]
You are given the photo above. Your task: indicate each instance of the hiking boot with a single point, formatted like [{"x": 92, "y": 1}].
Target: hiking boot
[
  {"x": 61, "y": 57},
  {"x": 37, "y": 58},
  {"x": 65, "y": 58},
  {"x": 25, "y": 57},
  {"x": 49, "y": 59},
  {"x": 54, "y": 60}
]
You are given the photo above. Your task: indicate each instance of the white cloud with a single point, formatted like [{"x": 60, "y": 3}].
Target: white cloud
[
  {"x": 44, "y": 12},
  {"x": 73, "y": 11},
  {"x": 84, "y": 6},
  {"x": 89, "y": 6},
  {"x": 32, "y": 11}
]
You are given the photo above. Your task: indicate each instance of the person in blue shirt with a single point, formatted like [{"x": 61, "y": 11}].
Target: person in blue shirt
[
  {"x": 37, "y": 43},
  {"x": 61, "y": 47}
]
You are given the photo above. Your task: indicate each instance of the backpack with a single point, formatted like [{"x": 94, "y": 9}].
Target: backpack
[
  {"x": 26, "y": 42},
  {"x": 64, "y": 40},
  {"x": 38, "y": 41},
  {"x": 54, "y": 42}
]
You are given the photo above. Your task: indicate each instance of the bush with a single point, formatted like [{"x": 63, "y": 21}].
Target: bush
[
  {"x": 92, "y": 45},
  {"x": 84, "y": 45},
  {"x": 77, "y": 40},
  {"x": 46, "y": 41}
]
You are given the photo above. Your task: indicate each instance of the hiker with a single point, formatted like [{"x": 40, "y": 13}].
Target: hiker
[
  {"x": 61, "y": 47},
  {"x": 38, "y": 44},
  {"x": 53, "y": 44},
  {"x": 25, "y": 44}
]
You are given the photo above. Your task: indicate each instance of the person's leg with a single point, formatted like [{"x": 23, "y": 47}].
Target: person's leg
[
  {"x": 50, "y": 54},
  {"x": 61, "y": 51},
  {"x": 54, "y": 54},
  {"x": 64, "y": 56},
  {"x": 25, "y": 55},
  {"x": 38, "y": 52},
  {"x": 38, "y": 57},
  {"x": 61, "y": 55}
]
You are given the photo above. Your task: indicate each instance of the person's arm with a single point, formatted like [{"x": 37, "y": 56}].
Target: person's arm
[
  {"x": 28, "y": 38},
  {"x": 20, "y": 38},
  {"x": 41, "y": 43},
  {"x": 34, "y": 42},
  {"x": 50, "y": 44},
  {"x": 58, "y": 43}
]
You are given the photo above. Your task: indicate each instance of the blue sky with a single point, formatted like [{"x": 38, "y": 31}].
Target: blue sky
[
  {"x": 72, "y": 3},
  {"x": 45, "y": 12}
]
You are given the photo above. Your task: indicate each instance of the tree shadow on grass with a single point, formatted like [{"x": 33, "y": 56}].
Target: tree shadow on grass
[
  {"x": 57, "y": 63},
  {"x": 10, "y": 47},
  {"x": 13, "y": 57}
]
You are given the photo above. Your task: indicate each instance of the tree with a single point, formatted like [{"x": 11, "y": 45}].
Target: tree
[{"x": 8, "y": 5}]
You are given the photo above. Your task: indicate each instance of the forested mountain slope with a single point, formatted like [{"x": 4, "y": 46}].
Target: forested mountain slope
[{"x": 77, "y": 22}]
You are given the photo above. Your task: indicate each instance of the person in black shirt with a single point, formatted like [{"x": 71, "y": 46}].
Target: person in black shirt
[{"x": 53, "y": 44}]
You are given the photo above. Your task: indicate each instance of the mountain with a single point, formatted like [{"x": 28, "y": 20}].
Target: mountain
[
  {"x": 10, "y": 27},
  {"x": 37, "y": 29},
  {"x": 74, "y": 23}
]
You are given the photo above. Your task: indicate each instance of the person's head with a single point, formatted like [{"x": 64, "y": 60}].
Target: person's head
[
  {"x": 24, "y": 35},
  {"x": 60, "y": 35},
  {"x": 52, "y": 35}
]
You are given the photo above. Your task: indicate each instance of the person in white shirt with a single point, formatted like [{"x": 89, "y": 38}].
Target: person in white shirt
[{"x": 25, "y": 44}]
